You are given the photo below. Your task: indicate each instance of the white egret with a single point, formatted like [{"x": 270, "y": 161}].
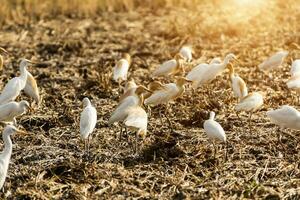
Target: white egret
[
  {"x": 170, "y": 67},
  {"x": 88, "y": 120},
  {"x": 166, "y": 93},
  {"x": 120, "y": 71},
  {"x": 214, "y": 130},
  {"x": 239, "y": 87},
  {"x": 295, "y": 69},
  {"x": 294, "y": 83},
  {"x": 31, "y": 88},
  {"x": 187, "y": 53},
  {"x": 285, "y": 117},
  {"x": 14, "y": 86},
  {"x": 250, "y": 103},
  {"x": 274, "y": 61},
  {"x": 13, "y": 109},
  {"x": 6, "y": 153},
  {"x": 205, "y": 73},
  {"x": 2, "y": 51}
]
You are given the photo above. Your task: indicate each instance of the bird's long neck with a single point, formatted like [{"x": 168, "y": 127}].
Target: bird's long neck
[
  {"x": 231, "y": 71},
  {"x": 7, "y": 145},
  {"x": 211, "y": 116},
  {"x": 24, "y": 73},
  {"x": 226, "y": 61}
]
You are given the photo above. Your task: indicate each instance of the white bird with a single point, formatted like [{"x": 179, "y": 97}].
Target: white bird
[
  {"x": 120, "y": 71},
  {"x": 274, "y": 61},
  {"x": 31, "y": 88},
  {"x": 239, "y": 87},
  {"x": 129, "y": 89},
  {"x": 13, "y": 109},
  {"x": 294, "y": 83},
  {"x": 285, "y": 117},
  {"x": 167, "y": 92},
  {"x": 295, "y": 69},
  {"x": 205, "y": 73},
  {"x": 88, "y": 120},
  {"x": 250, "y": 103},
  {"x": 14, "y": 86},
  {"x": 214, "y": 130},
  {"x": 2, "y": 51},
  {"x": 170, "y": 67},
  {"x": 6, "y": 153},
  {"x": 186, "y": 52}
]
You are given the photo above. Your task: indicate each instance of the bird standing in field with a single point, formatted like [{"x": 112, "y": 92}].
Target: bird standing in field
[
  {"x": 274, "y": 61},
  {"x": 214, "y": 130},
  {"x": 166, "y": 93},
  {"x": 186, "y": 52},
  {"x": 14, "y": 86},
  {"x": 88, "y": 120},
  {"x": 205, "y": 73},
  {"x": 170, "y": 67},
  {"x": 31, "y": 88},
  {"x": 6, "y": 153},
  {"x": 13, "y": 109},
  {"x": 285, "y": 117},
  {"x": 2, "y": 51},
  {"x": 250, "y": 103},
  {"x": 295, "y": 69},
  {"x": 294, "y": 84},
  {"x": 120, "y": 71},
  {"x": 239, "y": 86}
]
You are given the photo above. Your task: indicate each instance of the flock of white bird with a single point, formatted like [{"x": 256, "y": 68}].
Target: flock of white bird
[{"x": 130, "y": 109}]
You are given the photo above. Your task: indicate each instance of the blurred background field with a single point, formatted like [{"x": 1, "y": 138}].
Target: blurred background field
[{"x": 77, "y": 44}]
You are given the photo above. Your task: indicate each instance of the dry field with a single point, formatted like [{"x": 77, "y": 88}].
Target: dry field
[{"x": 76, "y": 50}]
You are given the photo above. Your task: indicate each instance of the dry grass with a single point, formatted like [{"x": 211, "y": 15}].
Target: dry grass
[{"x": 78, "y": 55}]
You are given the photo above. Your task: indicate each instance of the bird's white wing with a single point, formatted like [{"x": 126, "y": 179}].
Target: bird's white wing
[
  {"x": 88, "y": 120},
  {"x": 294, "y": 83},
  {"x": 249, "y": 103},
  {"x": 8, "y": 111},
  {"x": 274, "y": 61},
  {"x": 31, "y": 88},
  {"x": 163, "y": 96},
  {"x": 284, "y": 114},
  {"x": 120, "y": 112},
  {"x": 137, "y": 118},
  {"x": 11, "y": 90},
  {"x": 214, "y": 130},
  {"x": 166, "y": 68},
  {"x": 120, "y": 70},
  {"x": 197, "y": 72}
]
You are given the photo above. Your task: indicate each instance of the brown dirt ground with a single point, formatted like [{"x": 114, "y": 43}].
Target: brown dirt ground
[{"x": 76, "y": 58}]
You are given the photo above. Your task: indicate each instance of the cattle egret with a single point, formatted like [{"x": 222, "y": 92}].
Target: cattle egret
[
  {"x": 250, "y": 103},
  {"x": 285, "y": 117},
  {"x": 14, "y": 86},
  {"x": 31, "y": 88},
  {"x": 274, "y": 61},
  {"x": 2, "y": 51},
  {"x": 239, "y": 87},
  {"x": 6, "y": 153},
  {"x": 186, "y": 53},
  {"x": 214, "y": 130},
  {"x": 294, "y": 83},
  {"x": 295, "y": 69},
  {"x": 167, "y": 93},
  {"x": 120, "y": 113},
  {"x": 121, "y": 69},
  {"x": 170, "y": 67},
  {"x": 205, "y": 73},
  {"x": 88, "y": 120},
  {"x": 11, "y": 110},
  {"x": 137, "y": 120}
]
